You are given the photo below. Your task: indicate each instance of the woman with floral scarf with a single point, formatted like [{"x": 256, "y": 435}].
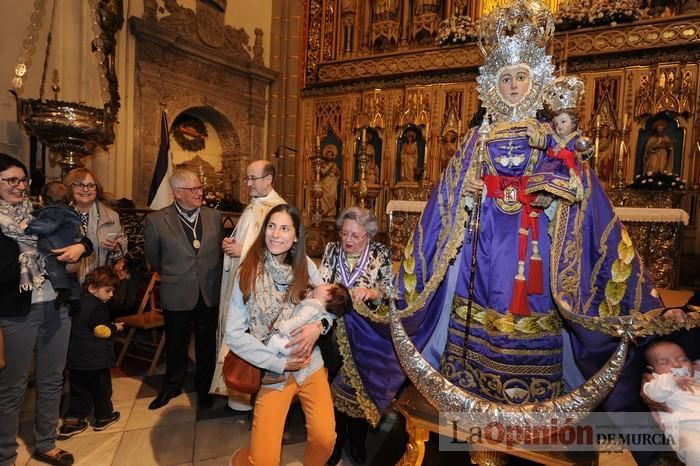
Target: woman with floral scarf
[
  {"x": 31, "y": 323},
  {"x": 274, "y": 276}
]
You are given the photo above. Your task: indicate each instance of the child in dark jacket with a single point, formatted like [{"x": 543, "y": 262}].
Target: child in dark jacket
[
  {"x": 57, "y": 225},
  {"x": 90, "y": 356}
]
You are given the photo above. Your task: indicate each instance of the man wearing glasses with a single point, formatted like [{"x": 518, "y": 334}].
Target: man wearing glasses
[
  {"x": 183, "y": 244},
  {"x": 260, "y": 176}
]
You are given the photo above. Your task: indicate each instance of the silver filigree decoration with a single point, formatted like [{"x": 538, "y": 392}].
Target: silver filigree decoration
[
  {"x": 466, "y": 409},
  {"x": 515, "y": 34},
  {"x": 564, "y": 93}
]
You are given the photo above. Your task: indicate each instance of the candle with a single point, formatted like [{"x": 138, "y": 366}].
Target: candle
[
  {"x": 364, "y": 134},
  {"x": 624, "y": 122},
  {"x": 318, "y": 141}
]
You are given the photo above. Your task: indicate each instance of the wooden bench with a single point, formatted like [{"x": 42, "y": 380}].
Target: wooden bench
[{"x": 422, "y": 418}]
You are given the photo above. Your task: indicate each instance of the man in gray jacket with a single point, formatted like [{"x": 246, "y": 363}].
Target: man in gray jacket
[{"x": 183, "y": 244}]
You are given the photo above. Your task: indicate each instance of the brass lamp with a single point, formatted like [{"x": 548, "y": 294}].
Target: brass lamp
[{"x": 73, "y": 130}]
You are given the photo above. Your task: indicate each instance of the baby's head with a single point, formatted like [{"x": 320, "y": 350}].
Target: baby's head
[
  {"x": 101, "y": 283},
  {"x": 565, "y": 122},
  {"x": 665, "y": 356},
  {"x": 335, "y": 297},
  {"x": 54, "y": 192}
]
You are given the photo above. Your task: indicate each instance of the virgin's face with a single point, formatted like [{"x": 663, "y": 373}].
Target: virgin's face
[
  {"x": 84, "y": 191},
  {"x": 12, "y": 194},
  {"x": 514, "y": 83},
  {"x": 280, "y": 235},
  {"x": 354, "y": 237}
]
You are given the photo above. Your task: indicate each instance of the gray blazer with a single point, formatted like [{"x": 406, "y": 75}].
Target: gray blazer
[{"x": 171, "y": 254}]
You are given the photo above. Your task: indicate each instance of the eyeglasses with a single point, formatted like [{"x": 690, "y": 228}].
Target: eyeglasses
[
  {"x": 345, "y": 235},
  {"x": 193, "y": 190},
  {"x": 253, "y": 178},
  {"x": 14, "y": 181},
  {"x": 84, "y": 186}
]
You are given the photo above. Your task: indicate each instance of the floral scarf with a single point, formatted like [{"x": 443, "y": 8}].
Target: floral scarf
[
  {"x": 32, "y": 268},
  {"x": 269, "y": 298}
]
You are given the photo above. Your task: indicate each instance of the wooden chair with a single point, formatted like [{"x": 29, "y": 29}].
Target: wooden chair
[{"x": 148, "y": 317}]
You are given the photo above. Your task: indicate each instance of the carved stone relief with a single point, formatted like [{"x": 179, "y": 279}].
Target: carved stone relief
[{"x": 193, "y": 62}]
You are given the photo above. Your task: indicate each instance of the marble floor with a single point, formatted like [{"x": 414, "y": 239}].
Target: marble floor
[{"x": 183, "y": 434}]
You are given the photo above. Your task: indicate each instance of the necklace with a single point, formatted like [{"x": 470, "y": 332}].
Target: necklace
[{"x": 186, "y": 219}]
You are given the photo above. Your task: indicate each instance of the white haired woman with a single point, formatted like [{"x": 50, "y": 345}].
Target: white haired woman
[{"x": 364, "y": 267}]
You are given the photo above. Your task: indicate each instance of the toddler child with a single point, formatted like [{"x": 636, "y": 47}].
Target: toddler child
[
  {"x": 57, "y": 225},
  {"x": 90, "y": 356}
]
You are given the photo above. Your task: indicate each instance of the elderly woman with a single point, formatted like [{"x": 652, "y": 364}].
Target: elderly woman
[
  {"x": 100, "y": 222},
  {"x": 32, "y": 326},
  {"x": 273, "y": 277},
  {"x": 364, "y": 267}
]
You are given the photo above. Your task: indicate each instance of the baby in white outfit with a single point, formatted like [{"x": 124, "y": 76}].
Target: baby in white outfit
[
  {"x": 331, "y": 301},
  {"x": 677, "y": 383}
]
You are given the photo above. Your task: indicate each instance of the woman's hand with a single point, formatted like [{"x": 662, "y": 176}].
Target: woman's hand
[
  {"x": 108, "y": 243},
  {"x": 231, "y": 247},
  {"x": 653, "y": 405},
  {"x": 69, "y": 254},
  {"x": 365, "y": 294},
  {"x": 304, "y": 338},
  {"x": 296, "y": 363}
]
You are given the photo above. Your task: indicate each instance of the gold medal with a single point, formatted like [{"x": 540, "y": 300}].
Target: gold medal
[{"x": 196, "y": 244}]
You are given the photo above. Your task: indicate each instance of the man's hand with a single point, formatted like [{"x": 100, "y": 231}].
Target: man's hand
[
  {"x": 119, "y": 326},
  {"x": 231, "y": 247},
  {"x": 676, "y": 314},
  {"x": 473, "y": 185}
]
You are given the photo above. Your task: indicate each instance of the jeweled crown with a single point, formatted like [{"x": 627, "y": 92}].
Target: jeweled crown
[{"x": 564, "y": 93}]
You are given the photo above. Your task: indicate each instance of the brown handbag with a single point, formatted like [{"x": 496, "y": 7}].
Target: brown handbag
[{"x": 240, "y": 375}]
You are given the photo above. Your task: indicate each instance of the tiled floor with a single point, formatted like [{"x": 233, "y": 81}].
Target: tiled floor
[{"x": 183, "y": 434}]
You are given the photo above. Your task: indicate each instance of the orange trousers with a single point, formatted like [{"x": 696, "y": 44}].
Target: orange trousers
[{"x": 270, "y": 413}]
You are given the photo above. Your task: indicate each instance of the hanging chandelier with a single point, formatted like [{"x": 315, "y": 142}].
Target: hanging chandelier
[{"x": 72, "y": 130}]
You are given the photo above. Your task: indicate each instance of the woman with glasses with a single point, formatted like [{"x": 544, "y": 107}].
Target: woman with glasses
[
  {"x": 364, "y": 267},
  {"x": 100, "y": 222},
  {"x": 32, "y": 325}
]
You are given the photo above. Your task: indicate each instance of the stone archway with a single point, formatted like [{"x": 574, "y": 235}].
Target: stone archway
[{"x": 230, "y": 141}]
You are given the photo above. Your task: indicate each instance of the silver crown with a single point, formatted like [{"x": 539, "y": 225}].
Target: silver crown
[
  {"x": 516, "y": 33},
  {"x": 564, "y": 93}
]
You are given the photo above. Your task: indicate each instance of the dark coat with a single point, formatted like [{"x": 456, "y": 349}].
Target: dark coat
[
  {"x": 87, "y": 351},
  {"x": 12, "y": 301},
  {"x": 57, "y": 226}
]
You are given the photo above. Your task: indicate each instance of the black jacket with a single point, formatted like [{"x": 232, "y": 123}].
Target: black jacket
[
  {"x": 12, "y": 302},
  {"x": 86, "y": 351}
]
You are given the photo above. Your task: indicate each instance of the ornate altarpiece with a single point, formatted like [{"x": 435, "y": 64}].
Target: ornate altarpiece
[
  {"x": 193, "y": 62},
  {"x": 633, "y": 73}
]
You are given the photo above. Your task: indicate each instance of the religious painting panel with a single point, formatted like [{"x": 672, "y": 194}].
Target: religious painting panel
[
  {"x": 448, "y": 147},
  {"x": 660, "y": 145},
  {"x": 410, "y": 156},
  {"x": 373, "y": 144},
  {"x": 331, "y": 173},
  {"x": 605, "y": 157}
]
